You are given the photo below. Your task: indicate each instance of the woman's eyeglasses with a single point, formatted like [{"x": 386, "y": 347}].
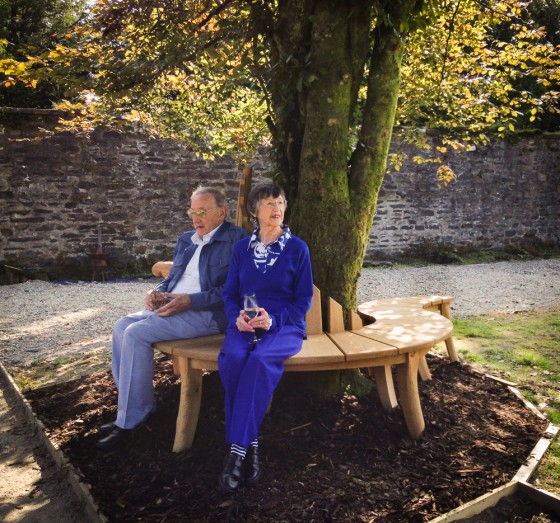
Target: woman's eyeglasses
[{"x": 276, "y": 205}]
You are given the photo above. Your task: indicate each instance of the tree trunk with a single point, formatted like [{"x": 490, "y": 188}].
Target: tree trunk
[{"x": 336, "y": 192}]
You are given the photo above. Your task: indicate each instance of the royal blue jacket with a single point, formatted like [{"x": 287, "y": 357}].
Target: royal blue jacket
[
  {"x": 285, "y": 291},
  {"x": 213, "y": 266}
]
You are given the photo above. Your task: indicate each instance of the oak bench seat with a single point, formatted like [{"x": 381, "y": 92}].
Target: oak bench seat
[
  {"x": 398, "y": 332},
  {"x": 399, "y": 336}
]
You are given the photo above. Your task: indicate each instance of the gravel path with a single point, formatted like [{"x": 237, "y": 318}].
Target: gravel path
[{"x": 42, "y": 320}]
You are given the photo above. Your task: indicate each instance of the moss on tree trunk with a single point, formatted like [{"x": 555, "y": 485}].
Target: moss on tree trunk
[{"x": 338, "y": 166}]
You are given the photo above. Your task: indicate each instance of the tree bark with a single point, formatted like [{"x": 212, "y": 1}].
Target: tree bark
[{"x": 333, "y": 182}]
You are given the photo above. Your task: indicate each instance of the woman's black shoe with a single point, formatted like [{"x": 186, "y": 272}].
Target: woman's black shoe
[
  {"x": 231, "y": 477},
  {"x": 252, "y": 466}
]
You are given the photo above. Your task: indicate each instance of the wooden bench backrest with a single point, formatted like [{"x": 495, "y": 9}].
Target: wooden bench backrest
[{"x": 314, "y": 317}]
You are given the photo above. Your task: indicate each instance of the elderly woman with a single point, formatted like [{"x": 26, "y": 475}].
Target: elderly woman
[{"x": 274, "y": 265}]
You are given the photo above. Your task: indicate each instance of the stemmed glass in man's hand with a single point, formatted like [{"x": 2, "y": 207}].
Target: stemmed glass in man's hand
[{"x": 251, "y": 310}]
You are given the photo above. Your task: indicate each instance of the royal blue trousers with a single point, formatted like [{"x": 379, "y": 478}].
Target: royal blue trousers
[{"x": 250, "y": 374}]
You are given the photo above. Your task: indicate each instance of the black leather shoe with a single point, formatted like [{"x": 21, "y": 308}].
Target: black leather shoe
[
  {"x": 114, "y": 439},
  {"x": 106, "y": 428},
  {"x": 252, "y": 467},
  {"x": 231, "y": 477}
]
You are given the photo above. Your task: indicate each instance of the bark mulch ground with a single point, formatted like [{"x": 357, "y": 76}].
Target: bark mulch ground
[{"x": 342, "y": 459}]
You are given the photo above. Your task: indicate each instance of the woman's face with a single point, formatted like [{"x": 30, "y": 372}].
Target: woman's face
[{"x": 270, "y": 211}]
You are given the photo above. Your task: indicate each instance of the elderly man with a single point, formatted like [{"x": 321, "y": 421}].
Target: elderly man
[{"x": 187, "y": 304}]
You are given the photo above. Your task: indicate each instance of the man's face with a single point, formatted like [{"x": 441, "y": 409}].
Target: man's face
[{"x": 211, "y": 219}]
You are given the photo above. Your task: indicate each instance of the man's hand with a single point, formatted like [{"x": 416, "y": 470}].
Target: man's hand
[
  {"x": 155, "y": 299},
  {"x": 178, "y": 303}
]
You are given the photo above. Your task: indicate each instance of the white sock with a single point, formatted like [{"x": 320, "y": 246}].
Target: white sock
[{"x": 239, "y": 450}]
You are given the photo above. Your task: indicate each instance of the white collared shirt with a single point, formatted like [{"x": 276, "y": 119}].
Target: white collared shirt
[{"x": 189, "y": 282}]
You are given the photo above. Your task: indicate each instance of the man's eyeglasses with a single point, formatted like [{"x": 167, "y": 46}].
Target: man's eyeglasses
[
  {"x": 200, "y": 213},
  {"x": 276, "y": 205}
]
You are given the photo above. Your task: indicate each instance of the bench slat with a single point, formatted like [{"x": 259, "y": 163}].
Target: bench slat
[
  {"x": 430, "y": 321},
  {"x": 200, "y": 348},
  {"x": 416, "y": 300},
  {"x": 405, "y": 340},
  {"x": 356, "y": 347},
  {"x": 316, "y": 349}
]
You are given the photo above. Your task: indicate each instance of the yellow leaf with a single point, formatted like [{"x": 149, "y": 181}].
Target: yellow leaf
[{"x": 511, "y": 127}]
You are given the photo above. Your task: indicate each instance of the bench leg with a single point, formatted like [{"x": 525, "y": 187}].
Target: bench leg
[
  {"x": 446, "y": 312},
  {"x": 385, "y": 387},
  {"x": 424, "y": 370},
  {"x": 176, "y": 370},
  {"x": 407, "y": 376},
  {"x": 189, "y": 405},
  {"x": 453, "y": 356}
]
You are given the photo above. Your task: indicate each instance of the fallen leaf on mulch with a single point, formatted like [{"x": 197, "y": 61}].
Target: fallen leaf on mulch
[{"x": 343, "y": 459}]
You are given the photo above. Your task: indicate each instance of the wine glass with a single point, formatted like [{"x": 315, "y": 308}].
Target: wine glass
[
  {"x": 251, "y": 310},
  {"x": 158, "y": 300}
]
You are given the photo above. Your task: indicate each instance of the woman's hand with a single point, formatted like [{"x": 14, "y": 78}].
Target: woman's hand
[{"x": 261, "y": 321}]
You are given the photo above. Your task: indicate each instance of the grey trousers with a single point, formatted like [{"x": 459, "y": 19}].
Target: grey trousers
[{"x": 133, "y": 356}]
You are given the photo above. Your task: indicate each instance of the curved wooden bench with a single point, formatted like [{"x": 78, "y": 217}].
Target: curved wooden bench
[
  {"x": 399, "y": 332},
  {"x": 399, "y": 336},
  {"x": 393, "y": 310}
]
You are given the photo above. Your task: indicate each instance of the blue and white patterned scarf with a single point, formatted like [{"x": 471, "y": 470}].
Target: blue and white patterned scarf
[{"x": 265, "y": 256}]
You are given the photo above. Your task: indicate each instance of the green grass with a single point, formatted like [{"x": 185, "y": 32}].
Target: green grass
[{"x": 523, "y": 348}]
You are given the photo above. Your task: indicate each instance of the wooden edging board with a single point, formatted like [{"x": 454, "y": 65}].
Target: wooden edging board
[
  {"x": 540, "y": 497},
  {"x": 80, "y": 489},
  {"x": 519, "y": 482}
]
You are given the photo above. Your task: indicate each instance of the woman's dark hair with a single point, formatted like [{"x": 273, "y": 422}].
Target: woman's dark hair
[{"x": 260, "y": 191}]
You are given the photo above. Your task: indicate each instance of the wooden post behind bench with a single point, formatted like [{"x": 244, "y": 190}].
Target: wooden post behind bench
[{"x": 242, "y": 218}]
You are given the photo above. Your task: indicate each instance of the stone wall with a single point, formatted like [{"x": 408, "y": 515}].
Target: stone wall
[
  {"x": 55, "y": 193},
  {"x": 504, "y": 195}
]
